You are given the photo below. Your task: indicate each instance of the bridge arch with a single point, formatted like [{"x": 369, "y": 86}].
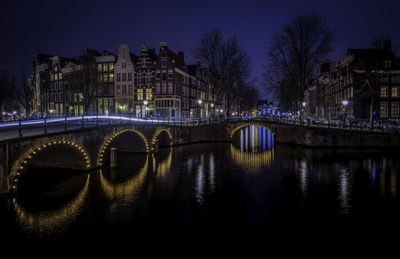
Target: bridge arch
[
  {"x": 111, "y": 137},
  {"x": 157, "y": 133},
  {"x": 21, "y": 164},
  {"x": 247, "y": 124}
]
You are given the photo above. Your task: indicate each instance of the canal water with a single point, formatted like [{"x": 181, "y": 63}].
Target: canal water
[{"x": 218, "y": 189}]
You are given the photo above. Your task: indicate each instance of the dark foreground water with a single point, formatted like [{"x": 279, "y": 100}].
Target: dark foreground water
[{"x": 246, "y": 189}]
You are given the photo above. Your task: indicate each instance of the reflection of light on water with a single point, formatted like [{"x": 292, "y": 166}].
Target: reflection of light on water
[
  {"x": 303, "y": 176},
  {"x": 344, "y": 190},
  {"x": 189, "y": 164},
  {"x": 164, "y": 166},
  {"x": 200, "y": 182},
  {"x": 252, "y": 161},
  {"x": 373, "y": 172},
  {"x": 212, "y": 172},
  {"x": 126, "y": 190},
  {"x": 256, "y": 148},
  {"x": 51, "y": 222}
]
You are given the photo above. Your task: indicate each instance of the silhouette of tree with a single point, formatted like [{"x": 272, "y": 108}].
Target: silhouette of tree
[{"x": 294, "y": 56}]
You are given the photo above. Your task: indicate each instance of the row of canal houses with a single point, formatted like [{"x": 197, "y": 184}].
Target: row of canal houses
[{"x": 144, "y": 85}]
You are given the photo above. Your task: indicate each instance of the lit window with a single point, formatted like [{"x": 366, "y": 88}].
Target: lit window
[
  {"x": 395, "y": 92},
  {"x": 111, "y": 66},
  {"x": 118, "y": 89},
  {"x": 99, "y": 67},
  {"x": 149, "y": 94},
  {"x": 105, "y": 77},
  {"x": 384, "y": 91},
  {"x": 140, "y": 94},
  {"x": 105, "y": 67},
  {"x": 111, "y": 77}
]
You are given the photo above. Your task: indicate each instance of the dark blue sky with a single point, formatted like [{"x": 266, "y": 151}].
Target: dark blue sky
[{"x": 66, "y": 28}]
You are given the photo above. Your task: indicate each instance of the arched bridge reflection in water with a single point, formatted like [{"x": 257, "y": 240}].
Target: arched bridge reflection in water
[
  {"x": 50, "y": 222},
  {"x": 253, "y": 148}
]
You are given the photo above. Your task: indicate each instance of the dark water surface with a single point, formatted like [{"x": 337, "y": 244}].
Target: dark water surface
[{"x": 215, "y": 189}]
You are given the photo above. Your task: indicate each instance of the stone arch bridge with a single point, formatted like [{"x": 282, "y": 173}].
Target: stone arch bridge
[{"x": 88, "y": 148}]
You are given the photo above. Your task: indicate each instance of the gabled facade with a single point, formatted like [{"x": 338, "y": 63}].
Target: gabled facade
[{"x": 124, "y": 73}]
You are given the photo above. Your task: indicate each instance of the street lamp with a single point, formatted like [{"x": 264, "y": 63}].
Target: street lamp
[
  {"x": 345, "y": 103},
  {"x": 304, "y": 104},
  {"x": 145, "y": 102},
  {"x": 212, "y": 105},
  {"x": 199, "y": 101}
]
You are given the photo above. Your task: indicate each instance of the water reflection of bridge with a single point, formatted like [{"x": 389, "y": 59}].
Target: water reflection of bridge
[
  {"x": 256, "y": 148},
  {"x": 53, "y": 221}
]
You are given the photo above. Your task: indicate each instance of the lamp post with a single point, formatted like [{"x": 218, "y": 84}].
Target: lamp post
[
  {"x": 345, "y": 103},
  {"x": 199, "y": 101},
  {"x": 51, "y": 112},
  {"x": 303, "y": 112},
  {"x": 145, "y": 102}
]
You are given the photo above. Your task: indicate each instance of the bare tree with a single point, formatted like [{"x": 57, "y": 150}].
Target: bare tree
[
  {"x": 295, "y": 55},
  {"x": 228, "y": 64},
  {"x": 25, "y": 93},
  {"x": 8, "y": 92},
  {"x": 377, "y": 42}
]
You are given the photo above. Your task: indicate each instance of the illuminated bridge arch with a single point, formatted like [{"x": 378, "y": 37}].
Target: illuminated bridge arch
[
  {"x": 21, "y": 164},
  {"x": 157, "y": 132},
  {"x": 247, "y": 124},
  {"x": 112, "y": 136}
]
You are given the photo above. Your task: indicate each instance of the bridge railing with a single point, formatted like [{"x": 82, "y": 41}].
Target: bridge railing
[
  {"x": 61, "y": 124},
  {"x": 47, "y": 125}
]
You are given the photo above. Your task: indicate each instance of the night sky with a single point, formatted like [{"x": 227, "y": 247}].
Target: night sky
[{"x": 66, "y": 28}]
